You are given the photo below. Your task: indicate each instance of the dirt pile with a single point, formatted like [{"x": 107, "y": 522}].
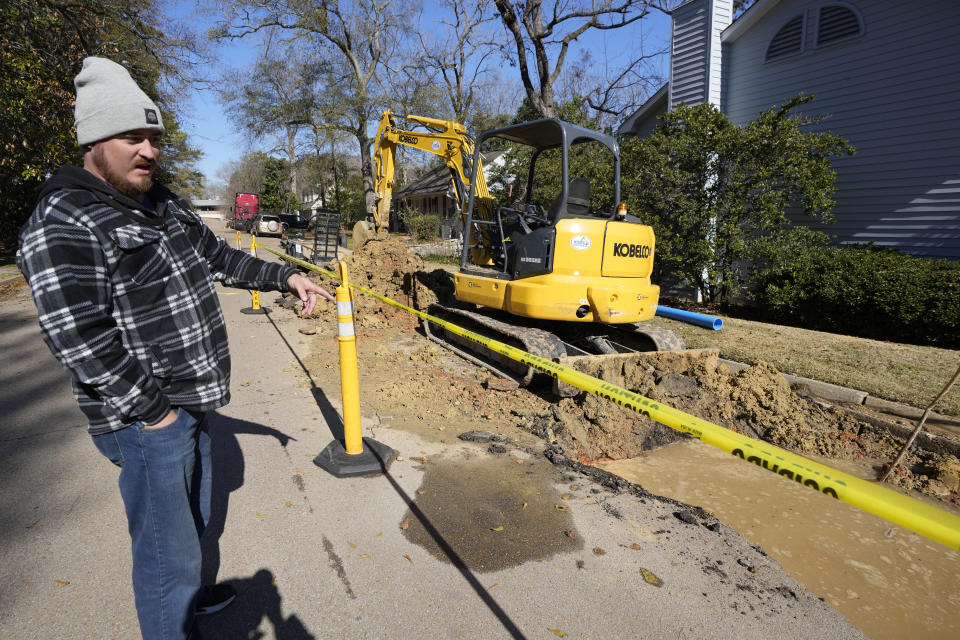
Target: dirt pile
[
  {"x": 756, "y": 401},
  {"x": 390, "y": 269}
]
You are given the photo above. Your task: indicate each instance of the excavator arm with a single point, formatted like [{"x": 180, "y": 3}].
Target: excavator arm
[{"x": 446, "y": 139}]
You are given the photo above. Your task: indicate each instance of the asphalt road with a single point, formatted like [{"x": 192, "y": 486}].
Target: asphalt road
[{"x": 313, "y": 556}]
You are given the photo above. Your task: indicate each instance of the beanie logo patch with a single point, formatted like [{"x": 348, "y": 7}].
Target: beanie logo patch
[{"x": 151, "y": 116}]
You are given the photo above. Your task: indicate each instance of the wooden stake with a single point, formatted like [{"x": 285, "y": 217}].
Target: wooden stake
[{"x": 923, "y": 418}]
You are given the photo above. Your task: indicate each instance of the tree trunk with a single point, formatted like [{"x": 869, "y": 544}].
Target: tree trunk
[{"x": 366, "y": 171}]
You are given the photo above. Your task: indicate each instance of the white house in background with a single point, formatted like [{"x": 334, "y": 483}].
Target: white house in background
[
  {"x": 212, "y": 209},
  {"x": 887, "y": 75}
]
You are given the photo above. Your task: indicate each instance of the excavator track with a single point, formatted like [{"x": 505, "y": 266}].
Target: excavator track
[
  {"x": 564, "y": 339},
  {"x": 531, "y": 340}
]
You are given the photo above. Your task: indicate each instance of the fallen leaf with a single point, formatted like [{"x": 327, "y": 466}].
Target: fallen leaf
[
  {"x": 557, "y": 632},
  {"x": 296, "y": 470},
  {"x": 565, "y": 496},
  {"x": 405, "y": 524},
  {"x": 420, "y": 492},
  {"x": 574, "y": 487},
  {"x": 493, "y": 585},
  {"x": 651, "y": 578},
  {"x": 580, "y": 564},
  {"x": 569, "y": 535},
  {"x": 364, "y": 556},
  {"x": 351, "y": 545},
  {"x": 261, "y": 516},
  {"x": 524, "y": 506},
  {"x": 408, "y": 558},
  {"x": 421, "y": 458},
  {"x": 32, "y": 524},
  {"x": 288, "y": 504},
  {"x": 62, "y": 583},
  {"x": 597, "y": 551},
  {"x": 517, "y": 460},
  {"x": 497, "y": 528},
  {"x": 380, "y": 535},
  {"x": 399, "y": 458},
  {"x": 634, "y": 546},
  {"x": 562, "y": 507}
]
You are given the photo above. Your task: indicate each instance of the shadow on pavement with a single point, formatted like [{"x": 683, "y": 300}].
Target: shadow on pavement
[
  {"x": 455, "y": 559},
  {"x": 228, "y": 469},
  {"x": 257, "y": 598},
  {"x": 331, "y": 417},
  {"x": 335, "y": 422}
]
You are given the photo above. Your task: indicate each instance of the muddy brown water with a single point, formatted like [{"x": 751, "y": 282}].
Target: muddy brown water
[
  {"x": 490, "y": 513},
  {"x": 890, "y": 582}
]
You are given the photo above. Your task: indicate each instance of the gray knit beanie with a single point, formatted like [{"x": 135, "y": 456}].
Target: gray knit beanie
[{"x": 109, "y": 102}]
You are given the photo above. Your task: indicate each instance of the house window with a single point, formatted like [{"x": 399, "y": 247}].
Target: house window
[
  {"x": 788, "y": 41},
  {"x": 837, "y": 22}
]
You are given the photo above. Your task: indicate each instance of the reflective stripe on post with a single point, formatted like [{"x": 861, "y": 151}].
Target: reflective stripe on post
[{"x": 345, "y": 318}]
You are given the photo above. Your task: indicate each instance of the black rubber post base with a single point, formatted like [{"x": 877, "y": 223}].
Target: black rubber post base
[
  {"x": 251, "y": 311},
  {"x": 374, "y": 460}
]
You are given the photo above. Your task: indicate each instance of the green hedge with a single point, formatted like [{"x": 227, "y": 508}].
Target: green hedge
[
  {"x": 424, "y": 226},
  {"x": 859, "y": 290}
]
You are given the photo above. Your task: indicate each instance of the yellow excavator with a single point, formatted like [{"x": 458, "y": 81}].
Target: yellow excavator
[{"x": 558, "y": 280}]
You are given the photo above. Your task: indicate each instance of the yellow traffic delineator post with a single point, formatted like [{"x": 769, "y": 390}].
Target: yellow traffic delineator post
[
  {"x": 355, "y": 456},
  {"x": 254, "y": 307},
  {"x": 239, "y": 241}
]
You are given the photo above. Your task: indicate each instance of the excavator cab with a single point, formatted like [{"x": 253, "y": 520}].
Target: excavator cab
[{"x": 569, "y": 260}]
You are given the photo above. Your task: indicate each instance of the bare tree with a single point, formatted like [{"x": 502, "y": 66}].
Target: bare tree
[
  {"x": 461, "y": 58},
  {"x": 273, "y": 99},
  {"x": 325, "y": 167},
  {"x": 361, "y": 34},
  {"x": 611, "y": 92},
  {"x": 245, "y": 175},
  {"x": 542, "y": 36}
]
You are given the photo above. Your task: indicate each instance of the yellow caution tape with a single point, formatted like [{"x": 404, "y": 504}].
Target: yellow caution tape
[{"x": 919, "y": 517}]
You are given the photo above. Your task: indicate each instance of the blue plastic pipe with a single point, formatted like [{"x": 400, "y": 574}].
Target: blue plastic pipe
[{"x": 699, "y": 319}]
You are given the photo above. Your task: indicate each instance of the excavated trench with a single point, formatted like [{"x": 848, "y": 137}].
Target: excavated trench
[
  {"x": 878, "y": 575},
  {"x": 757, "y": 401}
]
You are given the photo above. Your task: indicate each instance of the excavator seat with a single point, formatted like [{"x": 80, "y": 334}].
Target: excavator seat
[{"x": 578, "y": 201}]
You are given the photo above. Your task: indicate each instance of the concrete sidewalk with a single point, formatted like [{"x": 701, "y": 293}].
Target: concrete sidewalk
[{"x": 313, "y": 556}]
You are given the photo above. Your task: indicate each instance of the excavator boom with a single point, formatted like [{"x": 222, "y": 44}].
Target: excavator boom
[{"x": 444, "y": 138}]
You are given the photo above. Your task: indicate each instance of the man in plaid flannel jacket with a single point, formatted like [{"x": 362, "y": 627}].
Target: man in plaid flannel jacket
[{"x": 122, "y": 272}]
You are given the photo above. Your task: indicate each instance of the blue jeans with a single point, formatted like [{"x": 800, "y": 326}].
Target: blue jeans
[{"x": 165, "y": 483}]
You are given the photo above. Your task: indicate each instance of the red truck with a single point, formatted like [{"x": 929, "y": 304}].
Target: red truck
[{"x": 245, "y": 206}]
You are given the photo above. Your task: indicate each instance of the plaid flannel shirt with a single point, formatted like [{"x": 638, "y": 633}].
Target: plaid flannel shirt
[{"x": 126, "y": 298}]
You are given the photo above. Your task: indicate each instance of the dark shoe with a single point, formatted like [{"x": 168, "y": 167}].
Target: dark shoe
[{"x": 214, "y": 598}]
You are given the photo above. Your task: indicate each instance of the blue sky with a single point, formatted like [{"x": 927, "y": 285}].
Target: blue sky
[{"x": 210, "y": 130}]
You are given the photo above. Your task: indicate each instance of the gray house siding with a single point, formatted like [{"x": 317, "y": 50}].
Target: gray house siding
[
  {"x": 719, "y": 20},
  {"x": 893, "y": 93},
  {"x": 695, "y": 56},
  {"x": 688, "y": 54}
]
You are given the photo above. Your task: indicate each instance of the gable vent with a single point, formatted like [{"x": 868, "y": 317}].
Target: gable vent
[
  {"x": 788, "y": 41},
  {"x": 837, "y": 23}
]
